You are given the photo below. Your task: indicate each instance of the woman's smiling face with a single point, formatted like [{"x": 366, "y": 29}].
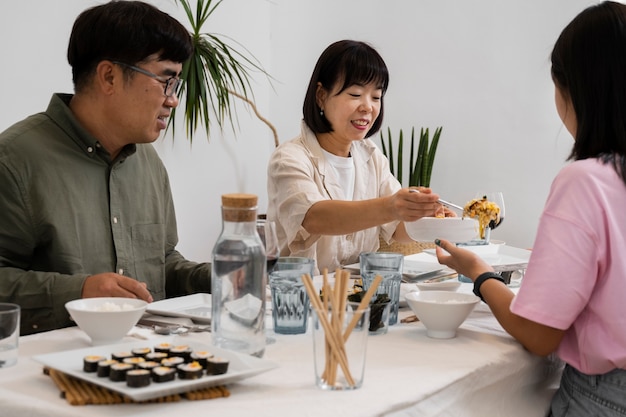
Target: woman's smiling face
[{"x": 351, "y": 112}]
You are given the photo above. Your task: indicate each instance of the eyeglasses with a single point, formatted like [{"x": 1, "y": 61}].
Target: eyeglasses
[{"x": 172, "y": 84}]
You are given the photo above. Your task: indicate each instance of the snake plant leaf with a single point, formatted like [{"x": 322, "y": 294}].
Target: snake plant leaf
[
  {"x": 214, "y": 69},
  {"x": 421, "y": 159},
  {"x": 412, "y": 156},
  {"x": 432, "y": 150},
  {"x": 400, "y": 146}
]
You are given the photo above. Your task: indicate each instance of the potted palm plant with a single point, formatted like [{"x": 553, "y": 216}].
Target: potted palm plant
[
  {"x": 214, "y": 74},
  {"x": 421, "y": 160}
]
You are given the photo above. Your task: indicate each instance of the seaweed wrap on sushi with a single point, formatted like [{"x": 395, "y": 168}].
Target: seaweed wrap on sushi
[
  {"x": 191, "y": 370},
  {"x": 134, "y": 360},
  {"x": 149, "y": 365},
  {"x": 163, "y": 374},
  {"x": 118, "y": 371},
  {"x": 163, "y": 347},
  {"x": 137, "y": 378},
  {"x": 201, "y": 357},
  {"x": 182, "y": 351},
  {"x": 141, "y": 351},
  {"x": 217, "y": 365},
  {"x": 104, "y": 367},
  {"x": 90, "y": 362},
  {"x": 172, "y": 362}
]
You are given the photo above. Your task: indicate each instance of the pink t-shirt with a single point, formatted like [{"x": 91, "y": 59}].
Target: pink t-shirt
[{"x": 576, "y": 276}]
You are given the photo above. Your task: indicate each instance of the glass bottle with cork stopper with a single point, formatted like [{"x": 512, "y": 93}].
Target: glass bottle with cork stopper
[{"x": 238, "y": 279}]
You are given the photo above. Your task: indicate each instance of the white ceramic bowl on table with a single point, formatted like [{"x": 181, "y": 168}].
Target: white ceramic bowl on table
[
  {"x": 454, "y": 229},
  {"x": 441, "y": 312},
  {"x": 106, "y": 320}
]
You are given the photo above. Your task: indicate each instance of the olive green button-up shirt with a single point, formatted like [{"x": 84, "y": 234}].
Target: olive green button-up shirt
[{"x": 67, "y": 211}]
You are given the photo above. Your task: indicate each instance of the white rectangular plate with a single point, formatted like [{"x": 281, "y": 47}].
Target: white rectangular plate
[
  {"x": 71, "y": 363},
  {"x": 195, "y": 306},
  {"x": 500, "y": 257}
]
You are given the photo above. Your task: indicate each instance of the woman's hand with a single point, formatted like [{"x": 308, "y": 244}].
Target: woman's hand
[
  {"x": 410, "y": 206},
  {"x": 461, "y": 260}
]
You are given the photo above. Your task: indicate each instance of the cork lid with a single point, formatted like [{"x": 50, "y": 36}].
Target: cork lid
[
  {"x": 239, "y": 207},
  {"x": 239, "y": 200}
]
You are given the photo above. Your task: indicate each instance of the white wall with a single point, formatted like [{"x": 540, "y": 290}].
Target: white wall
[{"x": 478, "y": 68}]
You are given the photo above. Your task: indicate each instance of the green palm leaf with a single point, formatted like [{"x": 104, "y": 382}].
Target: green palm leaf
[{"x": 213, "y": 71}]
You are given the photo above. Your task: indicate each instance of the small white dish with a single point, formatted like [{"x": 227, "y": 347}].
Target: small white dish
[
  {"x": 106, "y": 320},
  {"x": 447, "y": 285},
  {"x": 454, "y": 229},
  {"x": 245, "y": 309},
  {"x": 441, "y": 312},
  {"x": 194, "y": 306}
]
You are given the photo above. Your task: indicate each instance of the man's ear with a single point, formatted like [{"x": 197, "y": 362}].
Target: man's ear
[{"x": 108, "y": 76}]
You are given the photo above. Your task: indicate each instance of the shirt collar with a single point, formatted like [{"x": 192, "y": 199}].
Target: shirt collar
[{"x": 59, "y": 111}]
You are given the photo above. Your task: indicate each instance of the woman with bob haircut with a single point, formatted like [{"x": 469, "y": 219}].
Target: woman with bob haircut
[
  {"x": 330, "y": 189},
  {"x": 571, "y": 300}
]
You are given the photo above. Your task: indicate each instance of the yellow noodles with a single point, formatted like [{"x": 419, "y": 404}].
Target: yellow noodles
[{"x": 483, "y": 210}]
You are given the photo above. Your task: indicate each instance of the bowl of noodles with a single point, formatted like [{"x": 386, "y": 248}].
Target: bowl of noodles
[{"x": 454, "y": 229}]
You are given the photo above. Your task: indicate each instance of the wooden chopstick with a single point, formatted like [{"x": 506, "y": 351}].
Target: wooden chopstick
[{"x": 334, "y": 301}]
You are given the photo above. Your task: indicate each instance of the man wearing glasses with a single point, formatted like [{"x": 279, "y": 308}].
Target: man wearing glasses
[{"x": 85, "y": 203}]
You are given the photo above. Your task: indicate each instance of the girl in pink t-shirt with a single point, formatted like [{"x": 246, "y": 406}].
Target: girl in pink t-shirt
[{"x": 572, "y": 299}]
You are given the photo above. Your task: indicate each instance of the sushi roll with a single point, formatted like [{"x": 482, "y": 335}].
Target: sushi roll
[
  {"x": 182, "y": 351},
  {"x": 163, "y": 374},
  {"x": 137, "y": 378},
  {"x": 120, "y": 356},
  {"x": 156, "y": 356},
  {"x": 134, "y": 360},
  {"x": 217, "y": 366},
  {"x": 172, "y": 362},
  {"x": 163, "y": 347},
  {"x": 191, "y": 370},
  {"x": 118, "y": 371},
  {"x": 90, "y": 362},
  {"x": 201, "y": 357},
  {"x": 141, "y": 352},
  {"x": 149, "y": 365},
  {"x": 104, "y": 367}
]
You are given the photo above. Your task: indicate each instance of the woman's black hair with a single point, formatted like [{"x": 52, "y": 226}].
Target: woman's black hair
[
  {"x": 124, "y": 31},
  {"x": 589, "y": 67},
  {"x": 350, "y": 63}
]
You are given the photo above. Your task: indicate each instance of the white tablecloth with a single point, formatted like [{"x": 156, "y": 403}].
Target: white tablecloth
[{"x": 481, "y": 372}]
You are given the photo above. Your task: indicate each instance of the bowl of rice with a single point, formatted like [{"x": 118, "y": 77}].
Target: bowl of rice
[
  {"x": 106, "y": 320},
  {"x": 441, "y": 312}
]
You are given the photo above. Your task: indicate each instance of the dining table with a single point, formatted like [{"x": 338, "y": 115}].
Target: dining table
[{"x": 482, "y": 371}]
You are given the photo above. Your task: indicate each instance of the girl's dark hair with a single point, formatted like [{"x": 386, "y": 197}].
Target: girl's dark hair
[
  {"x": 125, "y": 31},
  {"x": 349, "y": 62},
  {"x": 589, "y": 67}
]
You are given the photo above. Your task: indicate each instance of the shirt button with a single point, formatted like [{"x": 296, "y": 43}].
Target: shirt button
[
  {"x": 349, "y": 238},
  {"x": 115, "y": 220},
  {"x": 121, "y": 271},
  {"x": 35, "y": 326},
  {"x": 89, "y": 149}
]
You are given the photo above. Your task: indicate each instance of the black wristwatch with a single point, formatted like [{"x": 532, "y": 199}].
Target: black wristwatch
[{"x": 484, "y": 277}]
